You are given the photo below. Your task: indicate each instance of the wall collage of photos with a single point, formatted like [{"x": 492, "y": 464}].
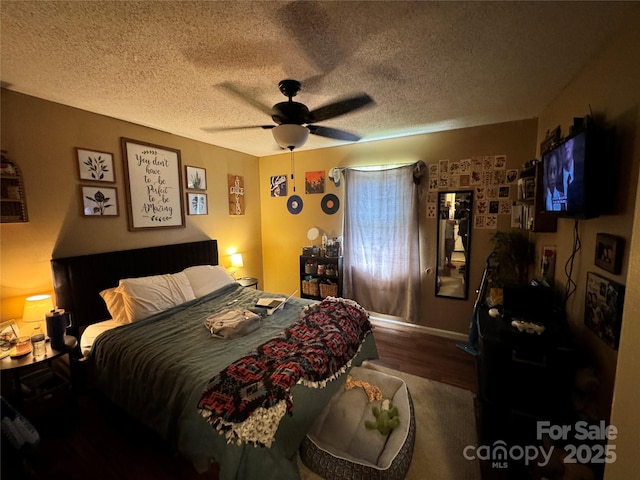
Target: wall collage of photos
[{"x": 489, "y": 179}]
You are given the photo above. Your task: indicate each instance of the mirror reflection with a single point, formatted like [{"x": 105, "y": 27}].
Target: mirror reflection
[{"x": 454, "y": 243}]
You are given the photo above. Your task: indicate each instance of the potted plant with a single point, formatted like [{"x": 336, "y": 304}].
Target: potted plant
[{"x": 510, "y": 262}]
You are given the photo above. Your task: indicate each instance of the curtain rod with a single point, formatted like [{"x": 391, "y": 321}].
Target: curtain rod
[
  {"x": 419, "y": 169},
  {"x": 389, "y": 165}
]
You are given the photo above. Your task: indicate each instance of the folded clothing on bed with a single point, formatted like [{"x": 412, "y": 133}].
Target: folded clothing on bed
[{"x": 247, "y": 399}]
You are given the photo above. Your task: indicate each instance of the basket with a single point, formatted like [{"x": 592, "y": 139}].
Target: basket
[
  {"x": 328, "y": 290},
  {"x": 310, "y": 288}
]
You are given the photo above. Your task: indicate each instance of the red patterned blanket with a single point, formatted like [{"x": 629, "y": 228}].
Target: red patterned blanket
[{"x": 249, "y": 397}]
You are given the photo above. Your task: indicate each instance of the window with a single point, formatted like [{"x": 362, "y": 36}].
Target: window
[{"x": 381, "y": 248}]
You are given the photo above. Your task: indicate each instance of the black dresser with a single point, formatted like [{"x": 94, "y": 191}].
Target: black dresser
[{"x": 522, "y": 378}]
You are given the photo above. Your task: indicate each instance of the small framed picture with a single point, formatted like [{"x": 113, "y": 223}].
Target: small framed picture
[
  {"x": 314, "y": 182},
  {"x": 197, "y": 204},
  {"x": 9, "y": 331},
  {"x": 196, "y": 178},
  {"x": 609, "y": 252},
  {"x": 604, "y": 300},
  {"x": 99, "y": 201},
  {"x": 279, "y": 186},
  {"x": 95, "y": 166}
]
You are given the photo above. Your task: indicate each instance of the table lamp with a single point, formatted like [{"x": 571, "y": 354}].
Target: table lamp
[
  {"x": 36, "y": 308},
  {"x": 236, "y": 263}
]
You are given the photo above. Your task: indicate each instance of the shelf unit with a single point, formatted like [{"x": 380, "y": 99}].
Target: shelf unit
[
  {"x": 12, "y": 197},
  {"x": 529, "y": 206},
  {"x": 43, "y": 391},
  {"x": 320, "y": 277}
]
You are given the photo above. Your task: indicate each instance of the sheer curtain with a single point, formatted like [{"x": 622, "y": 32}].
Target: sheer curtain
[{"x": 381, "y": 247}]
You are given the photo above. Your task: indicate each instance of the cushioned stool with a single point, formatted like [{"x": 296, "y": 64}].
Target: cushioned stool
[{"x": 339, "y": 446}]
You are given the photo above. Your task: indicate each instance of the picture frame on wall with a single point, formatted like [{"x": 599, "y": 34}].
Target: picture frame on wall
[
  {"x": 153, "y": 185},
  {"x": 196, "y": 178},
  {"x": 95, "y": 166},
  {"x": 278, "y": 186},
  {"x": 603, "y": 308},
  {"x": 197, "y": 204},
  {"x": 99, "y": 201},
  {"x": 314, "y": 182},
  {"x": 235, "y": 187},
  {"x": 608, "y": 255}
]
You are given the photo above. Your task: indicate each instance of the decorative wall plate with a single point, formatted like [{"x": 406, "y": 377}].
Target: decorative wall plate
[{"x": 313, "y": 233}]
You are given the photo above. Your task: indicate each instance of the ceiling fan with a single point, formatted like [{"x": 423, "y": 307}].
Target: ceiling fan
[{"x": 294, "y": 121}]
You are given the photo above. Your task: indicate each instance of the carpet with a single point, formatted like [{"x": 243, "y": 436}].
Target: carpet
[{"x": 445, "y": 424}]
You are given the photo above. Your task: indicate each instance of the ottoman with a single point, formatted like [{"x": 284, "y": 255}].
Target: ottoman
[{"x": 339, "y": 446}]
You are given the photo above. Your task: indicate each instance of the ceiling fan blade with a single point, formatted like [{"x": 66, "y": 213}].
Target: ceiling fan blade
[
  {"x": 334, "y": 133},
  {"x": 245, "y": 98},
  {"x": 227, "y": 129},
  {"x": 340, "y": 107}
]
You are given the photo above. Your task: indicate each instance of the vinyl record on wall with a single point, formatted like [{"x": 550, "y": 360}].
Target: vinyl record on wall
[
  {"x": 330, "y": 204},
  {"x": 294, "y": 204}
]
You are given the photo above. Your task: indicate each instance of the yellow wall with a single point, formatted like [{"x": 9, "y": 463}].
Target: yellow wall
[
  {"x": 284, "y": 234},
  {"x": 41, "y": 136}
]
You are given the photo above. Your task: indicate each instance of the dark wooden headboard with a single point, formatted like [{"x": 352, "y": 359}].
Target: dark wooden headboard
[{"x": 78, "y": 281}]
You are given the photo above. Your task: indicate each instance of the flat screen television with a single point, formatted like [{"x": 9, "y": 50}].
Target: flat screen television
[{"x": 575, "y": 182}]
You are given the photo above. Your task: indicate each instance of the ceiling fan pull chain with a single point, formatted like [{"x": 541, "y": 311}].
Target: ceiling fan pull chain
[{"x": 292, "y": 170}]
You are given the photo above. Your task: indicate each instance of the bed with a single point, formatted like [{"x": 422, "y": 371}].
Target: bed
[{"x": 167, "y": 371}]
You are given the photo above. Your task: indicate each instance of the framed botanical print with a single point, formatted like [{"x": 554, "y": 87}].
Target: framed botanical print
[
  {"x": 196, "y": 178},
  {"x": 99, "y": 201},
  {"x": 95, "y": 166},
  {"x": 197, "y": 204}
]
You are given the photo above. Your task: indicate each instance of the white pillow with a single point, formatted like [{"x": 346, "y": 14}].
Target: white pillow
[
  {"x": 115, "y": 304},
  {"x": 205, "y": 279},
  {"x": 146, "y": 296},
  {"x": 91, "y": 333}
]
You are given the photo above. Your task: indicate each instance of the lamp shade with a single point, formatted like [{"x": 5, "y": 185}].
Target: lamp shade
[
  {"x": 236, "y": 260},
  {"x": 36, "y": 308},
  {"x": 290, "y": 135}
]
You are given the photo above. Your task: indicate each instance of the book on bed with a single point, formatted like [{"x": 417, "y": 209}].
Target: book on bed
[{"x": 272, "y": 304}]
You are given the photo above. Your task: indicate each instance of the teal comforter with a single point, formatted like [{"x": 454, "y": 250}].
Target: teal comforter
[{"x": 156, "y": 370}]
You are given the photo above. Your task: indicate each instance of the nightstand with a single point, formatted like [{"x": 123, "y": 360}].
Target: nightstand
[
  {"x": 248, "y": 282},
  {"x": 37, "y": 387}
]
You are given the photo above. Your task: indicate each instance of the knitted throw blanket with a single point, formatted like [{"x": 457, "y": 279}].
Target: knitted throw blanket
[{"x": 247, "y": 400}]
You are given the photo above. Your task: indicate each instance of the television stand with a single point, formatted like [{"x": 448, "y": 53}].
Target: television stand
[{"x": 522, "y": 378}]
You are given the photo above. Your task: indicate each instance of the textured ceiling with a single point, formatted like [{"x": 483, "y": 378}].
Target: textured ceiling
[{"x": 184, "y": 66}]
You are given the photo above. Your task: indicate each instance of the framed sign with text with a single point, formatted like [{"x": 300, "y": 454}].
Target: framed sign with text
[{"x": 153, "y": 185}]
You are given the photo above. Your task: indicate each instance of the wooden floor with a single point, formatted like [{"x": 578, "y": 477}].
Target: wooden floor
[
  {"x": 437, "y": 358},
  {"x": 96, "y": 442}
]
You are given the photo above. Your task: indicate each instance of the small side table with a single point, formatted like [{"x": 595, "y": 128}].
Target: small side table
[
  {"x": 53, "y": 390},
  {"x": 248, "y": 282}
]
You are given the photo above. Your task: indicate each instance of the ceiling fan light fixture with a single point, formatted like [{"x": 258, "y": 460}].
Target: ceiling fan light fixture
[{"x": 290, "y": 135}]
